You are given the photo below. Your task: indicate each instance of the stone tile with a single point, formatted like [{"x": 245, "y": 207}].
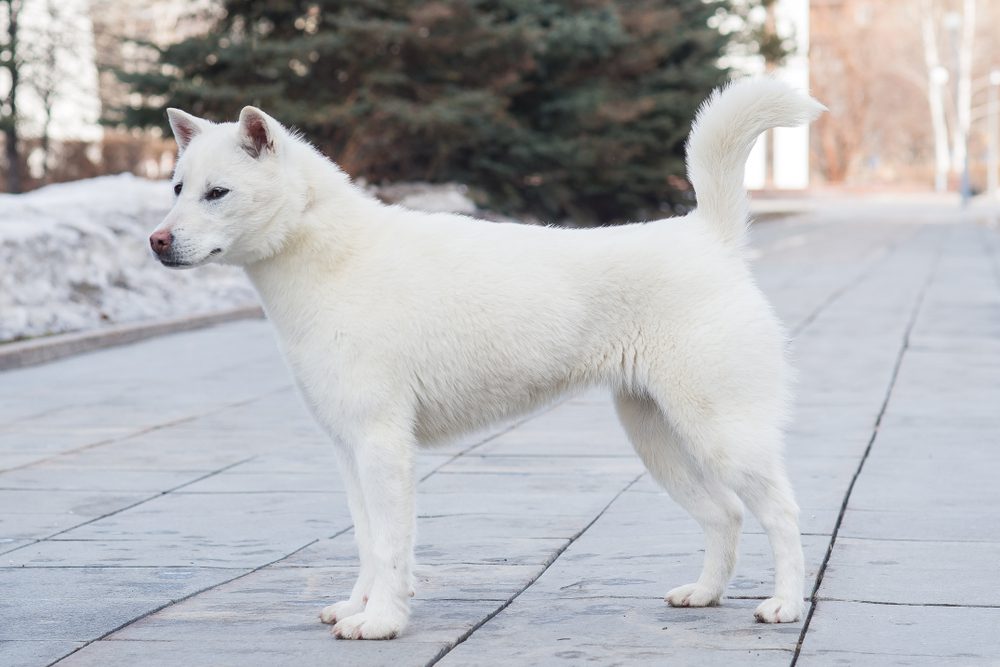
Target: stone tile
[
  {"x": 820, "y": 482},
  {"x": 465, "y": 581},
  {"x": 235, "y": 480},
  {"x": 947, "y": 525},
  {"x": 34, "y": 514},
  {"x": 933, "y": 438},
  {"x": 635, "y": 551},
  {"x": 910, "y": 572},
  {"x": 10, "y": 544},
  {"x": 586, "y": 429},
  {"x": 472, "y": 540},
  {"x": 566, "y": 509},
  {"x": 210, "y": 530},
  {"x": 78, "y": 604},
  {"x": 541, "y": 465},
  {"x": 12, "y": 460},
  {"x": 284, "y": 603},
  {"x": 45, "y": 441},
  {"x": 82, "y": 504},
  {"x": 271, "y": 649},
  {"x": 615, "y": 566},
  {"x": 916, "y": 498},
  {"x": 646, "y": 505},
  {"x": 204, "y": 454},
  {"x": 50, "y": 478},
  {"x": 544, "y": 631},
  {"x": 929, "y": 384},
  {"x": 527, "y": 483},
  {"x": 34, "y": 653},
  {"x": 850, "y": 633}
]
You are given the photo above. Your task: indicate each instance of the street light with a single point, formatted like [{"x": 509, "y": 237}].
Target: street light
[
  {"x": 953, "y": 23},
  {"x": 993, "y": 118},
  {"x": 939, "y": 75}
]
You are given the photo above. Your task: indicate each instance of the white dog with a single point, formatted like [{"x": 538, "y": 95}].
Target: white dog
[{"x": 404, "y": 329}]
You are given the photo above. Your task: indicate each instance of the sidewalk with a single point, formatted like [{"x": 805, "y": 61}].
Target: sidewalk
[{"x": 171, "y": 502}]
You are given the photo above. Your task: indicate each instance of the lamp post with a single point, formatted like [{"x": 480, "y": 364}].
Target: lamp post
[
  {"x": 954, "y": 23},
  {"x": 993, "y": 150},
  {"x": 939, "y": 79}
]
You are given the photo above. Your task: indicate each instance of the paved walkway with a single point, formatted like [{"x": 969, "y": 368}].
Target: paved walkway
[{"x": 170, "y": 502}]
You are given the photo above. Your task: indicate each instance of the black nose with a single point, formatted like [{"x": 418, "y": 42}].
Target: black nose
[{"x": 161, "y": 241}]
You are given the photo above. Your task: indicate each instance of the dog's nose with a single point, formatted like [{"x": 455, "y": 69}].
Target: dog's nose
[{"x": 160, "y": 241}]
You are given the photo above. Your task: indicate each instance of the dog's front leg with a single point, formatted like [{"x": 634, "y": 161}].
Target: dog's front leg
[
  {"x": 384, "y": 466},
  {"x": 362, "y": 536}
]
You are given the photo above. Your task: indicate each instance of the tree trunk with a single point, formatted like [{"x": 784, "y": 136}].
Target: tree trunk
[
  {"x": 46, "y": 139},
  {"x": 935, "y": 98},
  {"x": 963, "y": 96},
  {"x": 12, "y": 147}
]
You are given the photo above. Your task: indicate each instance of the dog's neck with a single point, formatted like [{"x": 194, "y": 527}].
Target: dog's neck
[{"x": 331, "y": 229}]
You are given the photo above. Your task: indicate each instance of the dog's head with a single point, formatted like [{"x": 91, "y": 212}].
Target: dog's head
[{"x": 237, "y": 191}]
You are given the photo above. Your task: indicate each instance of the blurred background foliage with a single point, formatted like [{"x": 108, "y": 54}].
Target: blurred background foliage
[{"x": 554, "y": 109}]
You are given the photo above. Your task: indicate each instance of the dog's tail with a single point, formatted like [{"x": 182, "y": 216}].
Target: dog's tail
[{"x": 725, "y": 129}]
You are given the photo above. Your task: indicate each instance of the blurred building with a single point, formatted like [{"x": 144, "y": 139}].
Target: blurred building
[
  {"x": 57, "y": 98},
  {"x": 787, "y": 163},
  {"x": 780, "y": 159}
]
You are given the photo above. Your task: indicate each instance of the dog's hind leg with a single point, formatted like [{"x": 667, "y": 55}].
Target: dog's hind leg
[
  {"x": 384, "y": 466},
  {"x": 355, "y": 604},
  {"x": 767, "y": 493},
  {"x": 739, "y": 448},
  {"x": 714, "y": 506}
]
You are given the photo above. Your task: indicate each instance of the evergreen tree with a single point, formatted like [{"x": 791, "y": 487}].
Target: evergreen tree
[{"x": 560, "y": 109}]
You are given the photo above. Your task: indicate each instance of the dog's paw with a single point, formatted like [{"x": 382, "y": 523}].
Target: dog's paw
[
  {"x": 340, "y": 610},
  {"x": 693, "y": 595},
  {"x": 779, "y": 610},
  {"x": 367, "y": 626}
]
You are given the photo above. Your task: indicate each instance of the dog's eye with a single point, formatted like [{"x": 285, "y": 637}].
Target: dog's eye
[
  {"x": 178, "y": 188},
  {"x": 216, "y": 193}
]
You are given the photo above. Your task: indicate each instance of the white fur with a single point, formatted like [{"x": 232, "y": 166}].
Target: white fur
[{"x": 404, "y": 329}]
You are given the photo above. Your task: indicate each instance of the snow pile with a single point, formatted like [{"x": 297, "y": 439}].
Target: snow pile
[
  {"x": 443, "y": 198},
  {"x": 75, "y": 256}
]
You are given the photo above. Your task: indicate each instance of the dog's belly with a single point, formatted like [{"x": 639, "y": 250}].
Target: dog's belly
[
  {"x": 443, "y": 417},
  {"x": 444, "y": 389}
]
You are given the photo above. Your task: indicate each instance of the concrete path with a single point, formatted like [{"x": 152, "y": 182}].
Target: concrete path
[{"x": 170, "y": 502}]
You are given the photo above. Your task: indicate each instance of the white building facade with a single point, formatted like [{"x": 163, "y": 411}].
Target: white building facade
[{"x": 780, "y": 159}]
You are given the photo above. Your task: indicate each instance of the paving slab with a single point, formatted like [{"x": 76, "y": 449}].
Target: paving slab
[
  {"x": 51, "y": 478},
  {"x": 915, "y": 572},
  {"x": 901, "y": 635},
  {"x": 209, "y": 530},
  {"x": 31, "y": 652},
  {"x": 630, "y": 631},
  {"x": 79, "y": 604},
  {"x": 444, "y": 540}
]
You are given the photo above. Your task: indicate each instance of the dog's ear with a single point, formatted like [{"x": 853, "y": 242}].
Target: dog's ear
[
  {"x": 185, "y": 127},
  {"x": 257, "y": 132}
]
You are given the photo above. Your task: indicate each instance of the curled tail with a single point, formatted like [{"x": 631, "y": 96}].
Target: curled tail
[{"x": 725, "y": 129}]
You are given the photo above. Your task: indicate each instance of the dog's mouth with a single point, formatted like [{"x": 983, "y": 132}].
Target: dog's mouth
[{"x": 178, "y": 264}]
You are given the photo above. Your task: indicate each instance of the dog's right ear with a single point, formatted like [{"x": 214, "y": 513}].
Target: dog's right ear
[
  {"x": 185, "y": 127},
  {"x": 256, "y": 132}
]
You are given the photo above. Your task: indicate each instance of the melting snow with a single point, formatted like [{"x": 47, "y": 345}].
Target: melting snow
[{"x": 75, "y": 256}]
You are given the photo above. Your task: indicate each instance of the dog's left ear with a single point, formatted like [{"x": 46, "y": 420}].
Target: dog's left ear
[
  {"x": 185, "y": 127},
  {"x": 257, "y": 132}
]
